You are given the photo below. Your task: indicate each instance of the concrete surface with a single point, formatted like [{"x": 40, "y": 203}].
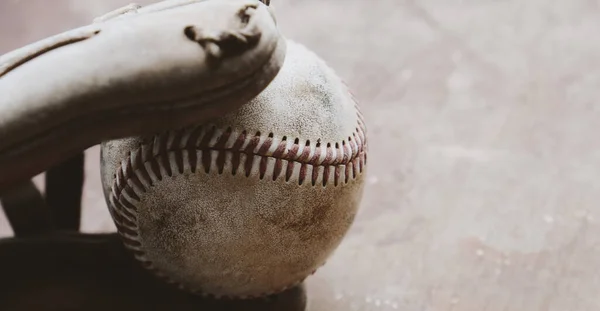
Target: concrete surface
[{"x": 484, "y": 159}]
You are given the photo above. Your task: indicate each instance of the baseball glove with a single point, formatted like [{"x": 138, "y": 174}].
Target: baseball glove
[{"x": 117, "y": 77}]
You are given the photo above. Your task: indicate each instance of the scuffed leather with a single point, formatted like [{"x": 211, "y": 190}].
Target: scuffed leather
[{"x": 238, "y": 235}]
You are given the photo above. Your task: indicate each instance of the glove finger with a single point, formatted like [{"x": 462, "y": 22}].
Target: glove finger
[
  {"x": 64, "y": 189},
  {"x": 26, "y": 210},
  {"x": 134, "y": 75}
]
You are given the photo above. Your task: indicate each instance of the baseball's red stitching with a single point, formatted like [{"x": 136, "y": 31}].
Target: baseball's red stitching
[{"x": 156, "y": 157}]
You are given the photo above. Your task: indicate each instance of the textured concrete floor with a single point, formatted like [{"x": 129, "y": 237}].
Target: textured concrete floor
[{"x": 485, "y": 159}]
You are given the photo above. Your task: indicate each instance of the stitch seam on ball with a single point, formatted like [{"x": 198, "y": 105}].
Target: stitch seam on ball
[{"x": 204, "y": 148}]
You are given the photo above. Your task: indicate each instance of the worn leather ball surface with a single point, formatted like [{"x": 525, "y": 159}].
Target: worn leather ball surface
[{"x": 250, "y": 203}]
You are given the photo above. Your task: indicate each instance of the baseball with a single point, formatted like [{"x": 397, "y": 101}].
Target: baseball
[{"x": 253, "y": 202}]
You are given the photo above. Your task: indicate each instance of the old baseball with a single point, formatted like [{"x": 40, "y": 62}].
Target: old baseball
[{"x": 253, "y": 202}]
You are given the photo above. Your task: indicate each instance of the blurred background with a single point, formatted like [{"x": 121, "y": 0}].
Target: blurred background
[{"x": 483, "y": 121}]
